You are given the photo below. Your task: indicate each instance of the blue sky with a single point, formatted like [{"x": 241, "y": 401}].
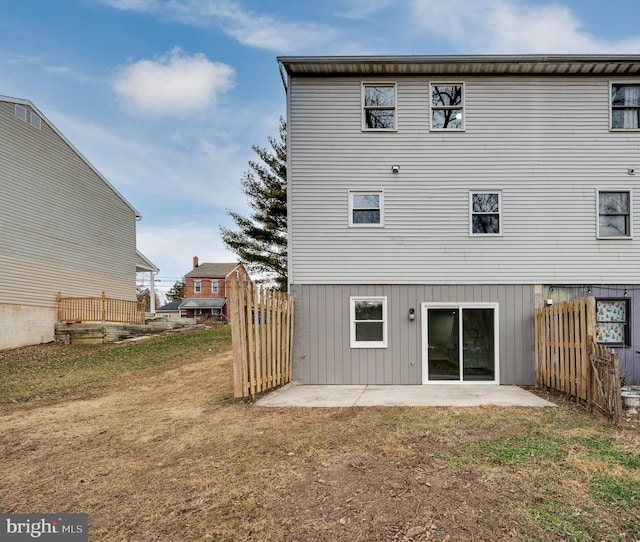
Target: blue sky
[{"x": 166, "y": 97}]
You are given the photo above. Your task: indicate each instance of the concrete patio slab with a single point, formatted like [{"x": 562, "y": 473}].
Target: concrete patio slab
[{"x": 297, "y": 395}]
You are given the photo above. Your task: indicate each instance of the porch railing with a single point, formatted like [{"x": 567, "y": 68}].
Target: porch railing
[{"x": 100, "y": 309}]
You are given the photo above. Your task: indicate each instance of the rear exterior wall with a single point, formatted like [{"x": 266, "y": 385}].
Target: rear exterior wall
[
  {"x": 322, "y": 353},
  {"x": 543, "y": 142}
]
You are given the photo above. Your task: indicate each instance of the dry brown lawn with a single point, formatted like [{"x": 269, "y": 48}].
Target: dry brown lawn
[{"x": 165, "y": 453}]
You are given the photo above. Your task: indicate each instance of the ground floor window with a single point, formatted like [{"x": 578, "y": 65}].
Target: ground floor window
[
  {"x": 612, "y": 321},
  {"x": 368, "y": 322}
]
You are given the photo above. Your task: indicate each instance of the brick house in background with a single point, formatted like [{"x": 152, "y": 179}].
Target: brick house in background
[{"x": 206, "y": 289}]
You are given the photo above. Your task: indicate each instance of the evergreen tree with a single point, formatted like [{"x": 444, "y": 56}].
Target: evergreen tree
[
  {"x": 261, "y": 238},
  {"x": 177, "y": 291}
]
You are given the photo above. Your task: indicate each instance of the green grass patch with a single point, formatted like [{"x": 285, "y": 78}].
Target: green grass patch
[
  {"x": 558, "y": 520},
  {"x": 54, "y": 369},
  {"x": 603, "y": 449},
  {"x": 617, "y": 495},
  {"x": 511, "y": 450}
]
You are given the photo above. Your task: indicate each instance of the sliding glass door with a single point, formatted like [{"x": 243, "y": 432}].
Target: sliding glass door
[{"x": 460, "y": 342}]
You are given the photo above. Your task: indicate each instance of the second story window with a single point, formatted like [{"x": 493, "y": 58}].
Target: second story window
[
  {"x": 214, "y": 286},
  {"x": 379, "y": 106},
  {"x": 447, "y": 106},
  {"x": 485, "y": 213},
  {"x": 625, "y": 107},
  {"x": 365, "y": 208},
  {"x": 197, "y": 286},
  {"x": 614, "y": 214}
]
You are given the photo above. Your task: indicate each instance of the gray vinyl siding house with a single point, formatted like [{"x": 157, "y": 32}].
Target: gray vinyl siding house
[
  {"x": 63, "y": 227},
  {"x": 424, "y": 230}
]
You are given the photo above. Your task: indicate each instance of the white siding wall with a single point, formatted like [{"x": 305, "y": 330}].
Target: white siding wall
[
  {"x": 61, "y": 227},
  {"x": 544, "y": 142}
]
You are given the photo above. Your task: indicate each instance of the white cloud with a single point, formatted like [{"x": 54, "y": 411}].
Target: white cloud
[
  {"x": 512, "y": 26},
  {"x": 174, "y": 84},
  {"x": 247, "y": 27}
]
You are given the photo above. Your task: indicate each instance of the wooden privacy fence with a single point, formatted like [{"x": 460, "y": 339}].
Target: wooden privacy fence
[
  {"x": 262, "y": 335},
  {"x": 100, "y": 309},
  {"x": 569, "y": 360}
]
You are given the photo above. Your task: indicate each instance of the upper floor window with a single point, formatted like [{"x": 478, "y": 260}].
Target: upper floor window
[
  {"x": 447, "y": 106},
  {"x": 379, "y": 106},
  {"x": 485, "y": 213},
  {"x": 214, "y": 286},
  {"x": 614, "y": 214},
  {"x": 197, "y": 286},
  {"x": 368, "y": 322},
  {"x": 365, "y": 208},
  {"x": 625, "y": 107}
]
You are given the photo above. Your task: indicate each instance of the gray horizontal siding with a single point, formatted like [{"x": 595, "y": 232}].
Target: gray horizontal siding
[
  {"x": 544, "y": 142},
  {"x": 322, "y": 352},
  {"x": 62, "y": 228}
]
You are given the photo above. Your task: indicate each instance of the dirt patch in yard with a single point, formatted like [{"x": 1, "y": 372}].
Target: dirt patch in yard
[{"x": 167, "y": 454}]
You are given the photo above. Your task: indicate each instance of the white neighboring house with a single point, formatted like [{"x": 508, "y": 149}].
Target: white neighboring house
[
  {"x": 63, "y": 227},
  {"x": 435, "y": 201}
]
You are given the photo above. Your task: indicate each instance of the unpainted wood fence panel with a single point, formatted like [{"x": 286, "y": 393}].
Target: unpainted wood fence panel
[
  {"x": 262, "y": 337},
  {"x": 100, "y": 309},
  {"x": 569, "y": 360}
]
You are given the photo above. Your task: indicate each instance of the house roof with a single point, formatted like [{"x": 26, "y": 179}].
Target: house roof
[
  {"x": 143, "y": 264},
  {"x": 202, "y": 303},
  {"x": 616, "y": 65},
  {"x": 20, "y": 101},
  {"x": 171, "y": 306},
  {"x": 212, "y": 270}
]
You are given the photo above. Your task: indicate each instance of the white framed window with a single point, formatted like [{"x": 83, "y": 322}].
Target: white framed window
[
  {"x": 614, "y": 214},
  {"x": 366, "y": 208},
  {"x": 379, "y": 106},
  {"x": 368, "y": 316},
  {"x": 197, "y": 286},
  {"x": 214, "y": 286},
  {"x": 447, "y": 106},
  {"x": 485, "y": 212},
  {"x": 625, "y": 106}
]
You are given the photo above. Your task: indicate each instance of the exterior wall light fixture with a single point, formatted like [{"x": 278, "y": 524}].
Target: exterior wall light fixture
[{"x": 412, "y": 314}]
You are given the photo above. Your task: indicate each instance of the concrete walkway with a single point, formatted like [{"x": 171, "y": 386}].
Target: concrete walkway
[{"x": 296, "y": 395}]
